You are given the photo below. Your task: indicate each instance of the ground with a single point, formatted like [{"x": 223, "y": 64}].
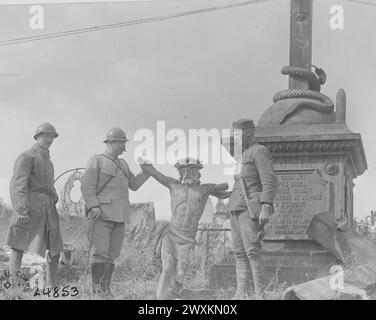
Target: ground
[{"x": 135, "y": 276}]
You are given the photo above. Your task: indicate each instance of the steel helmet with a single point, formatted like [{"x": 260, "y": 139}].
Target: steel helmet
[
  {"x": 116, "y": 134},
  {"x": 45, "y": 128}
]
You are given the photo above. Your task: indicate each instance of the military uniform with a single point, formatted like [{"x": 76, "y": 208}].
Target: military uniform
[
  {"x": 32, "y": 192},
  {"x": 113, "y": 200},
  {"x": 260, "y": 182},
  {"x": 107, "y": 233},
  {"x": 33, "y": 197}
]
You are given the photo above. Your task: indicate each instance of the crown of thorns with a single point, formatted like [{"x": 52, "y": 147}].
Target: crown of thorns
[{"x": 188, "y": 163}]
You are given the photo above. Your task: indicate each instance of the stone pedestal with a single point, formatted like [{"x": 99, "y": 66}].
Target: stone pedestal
[
  {"x": 315, "y": 165},
  {"x": 316, "y": 159}
]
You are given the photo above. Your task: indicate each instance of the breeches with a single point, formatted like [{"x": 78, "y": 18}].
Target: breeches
[
  {"x": 246, "y": 245},
  {"x": 107, "y": 240}
]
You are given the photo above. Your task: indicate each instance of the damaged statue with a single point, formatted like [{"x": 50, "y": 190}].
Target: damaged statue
[{"x": 177, "y": 239}]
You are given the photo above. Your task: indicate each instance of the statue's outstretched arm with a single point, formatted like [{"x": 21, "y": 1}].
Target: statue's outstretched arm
[
  {"x": 219, "y": 191},
  {"x": 160, "y": 177}
]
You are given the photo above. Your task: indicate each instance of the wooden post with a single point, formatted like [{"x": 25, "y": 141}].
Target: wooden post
[{"x": 300, "y": 40}]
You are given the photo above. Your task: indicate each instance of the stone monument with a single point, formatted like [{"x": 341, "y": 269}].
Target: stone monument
[{"x": 316, "y": 159}]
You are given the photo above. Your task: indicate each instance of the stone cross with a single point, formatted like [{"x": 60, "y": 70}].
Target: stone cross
[{"x": 300, "y": 39}]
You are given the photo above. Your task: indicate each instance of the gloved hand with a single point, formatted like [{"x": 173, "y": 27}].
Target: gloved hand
[
  {"x": 94, "y": 213},
  {"x": 24, "y": 218},
  {"x": 266, "y": 211}
]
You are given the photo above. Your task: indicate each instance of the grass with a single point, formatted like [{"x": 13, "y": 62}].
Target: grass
[{"x": 136, "y": 276}]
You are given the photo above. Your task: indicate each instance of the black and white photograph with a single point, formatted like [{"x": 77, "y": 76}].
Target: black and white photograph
[{"x": 205, "y": 151}]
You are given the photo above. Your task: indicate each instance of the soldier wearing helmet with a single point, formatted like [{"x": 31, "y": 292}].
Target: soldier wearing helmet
[
  {"x": 177, "y": 239},
  {"x": 35, "y": 224},
  {"x": 105, "y": 190}
]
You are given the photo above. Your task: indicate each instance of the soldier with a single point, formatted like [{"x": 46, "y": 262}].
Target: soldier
[
  {"x": 188, "y": 199},
  {"x": 260, "y": 183},
  {"x": 105, "y": 191},
  {"x": 35, "y": 223}
]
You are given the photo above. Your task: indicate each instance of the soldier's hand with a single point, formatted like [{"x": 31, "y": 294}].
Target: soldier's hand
[
  {"x": 95, "y": 213},
  {"x": 266, "y": 211},
  {"x": 24, "y": 219},
  {"x": 145, "y": 165},
  {"x": 225, "y": 194},
  {"x": 142, "y": 161}
]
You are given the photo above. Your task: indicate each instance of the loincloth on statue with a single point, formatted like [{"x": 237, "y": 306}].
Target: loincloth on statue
[{"x": 178, "y": 242}]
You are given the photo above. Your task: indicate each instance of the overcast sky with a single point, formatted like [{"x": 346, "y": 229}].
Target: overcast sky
[{"x": 199, "y": 71}]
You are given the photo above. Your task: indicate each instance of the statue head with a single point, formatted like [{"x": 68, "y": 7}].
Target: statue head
[{"x": 189, "y": 171}]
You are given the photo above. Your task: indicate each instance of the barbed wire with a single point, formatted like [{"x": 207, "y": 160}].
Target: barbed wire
[{"x": 127, "y": 23}]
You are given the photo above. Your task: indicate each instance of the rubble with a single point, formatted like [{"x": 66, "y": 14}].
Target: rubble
[{"x": 358, "y": 272}]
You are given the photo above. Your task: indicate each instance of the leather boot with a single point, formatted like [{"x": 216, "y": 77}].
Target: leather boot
[
  {"x": 258, "y": 275},
  {"x": 97, "y": 270},
  {"x": 17, "y": 288},
  {"x": 243, "y": 276},
  {"x": 15, "y": 261},
  {"x": 106, "y": 280},
  {"x": 51, "y": 271}
]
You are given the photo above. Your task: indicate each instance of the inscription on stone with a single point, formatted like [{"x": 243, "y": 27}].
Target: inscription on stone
[{"x": 301, "y": 194}]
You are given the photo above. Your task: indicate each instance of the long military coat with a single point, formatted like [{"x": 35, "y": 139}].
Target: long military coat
[{"x": 32, "y": 192}]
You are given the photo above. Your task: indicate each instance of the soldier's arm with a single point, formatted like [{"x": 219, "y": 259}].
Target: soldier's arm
[
  {"x": 264, "y": 164},
  {"x": 160, "y": 177},
  {"x": 19, "y": 185},
  {"x": 55, "y": 196},
  {"x": 89, "y": 184},
  {"x": 135, "y": 182},
  {"x": 219, "y": 190}
]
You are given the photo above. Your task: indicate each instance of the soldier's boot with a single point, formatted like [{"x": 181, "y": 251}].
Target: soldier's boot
[
  {"x": 17, "y": 287},
  {"x": 97, "y": 270},
  {"x": 106, "y": 280},
  {"x": 15, "y": 261},
  {"x": 243, "y": 276},
  {"x": 15, "y": 269},
  {"x": 258, "y": 275},
  {"x": 51, "y": 271}
]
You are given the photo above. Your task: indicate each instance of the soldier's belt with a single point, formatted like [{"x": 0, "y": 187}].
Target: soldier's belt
[{"x": 44, "y": 190}]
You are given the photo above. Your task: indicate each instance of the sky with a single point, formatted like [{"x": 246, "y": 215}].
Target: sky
[{"x": 198, "y": 71}]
